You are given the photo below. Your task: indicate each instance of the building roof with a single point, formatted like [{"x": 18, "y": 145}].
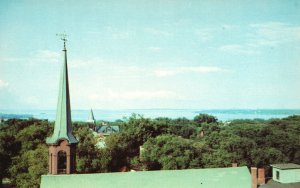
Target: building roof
[
  {"x": 63, "y": 122},
  {"x": 238, "y": 177},
  {"x": 274, "y": 184},
  {"x": 285, "y": 166},
  {"x": 107, "y": 129}
]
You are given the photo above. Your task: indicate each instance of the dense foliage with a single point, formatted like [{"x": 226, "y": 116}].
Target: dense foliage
[{"x": 152, "y": 144}]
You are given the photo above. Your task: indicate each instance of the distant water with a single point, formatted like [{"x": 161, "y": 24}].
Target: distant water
[{"x": 112, "y": 115}]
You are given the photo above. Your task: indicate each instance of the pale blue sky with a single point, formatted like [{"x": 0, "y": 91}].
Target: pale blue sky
[{"x": 151, "y": 54}]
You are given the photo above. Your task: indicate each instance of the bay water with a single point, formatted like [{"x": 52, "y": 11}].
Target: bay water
[{"x": 112, "y": 115}]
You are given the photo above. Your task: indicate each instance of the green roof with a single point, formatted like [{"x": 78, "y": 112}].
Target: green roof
[
  {"x": 285, "y": 166},
  {"x": 63, "y": 122},
  {"x": 238, "y": 177}
]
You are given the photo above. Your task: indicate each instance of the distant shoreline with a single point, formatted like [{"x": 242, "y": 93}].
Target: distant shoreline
[{"x": 112, "y": 115}]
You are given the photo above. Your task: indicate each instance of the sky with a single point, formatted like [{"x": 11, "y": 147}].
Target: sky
[{"x": 139, "y": 54}]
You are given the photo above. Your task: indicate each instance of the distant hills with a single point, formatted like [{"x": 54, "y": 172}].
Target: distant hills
[
  {"x": 114, "y": 114},
  {"x": 15, "y": 116}
]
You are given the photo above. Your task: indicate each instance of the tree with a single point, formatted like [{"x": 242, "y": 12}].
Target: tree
[
  {"x": 217, "y": 158},
  {"x": 168, "y": 144},
  {"x": 227, "y": 148},
  {"x": 7, "y": 150},
  {"x": 205, "y": 118},
  {"x": 137, "y": 130},
  {"x": 90, "y": 159},
  {"x": 239, "y": 148},
  {"x": 27, "y": 170},
  {"x": 265, "y": 156},
  {"x": 119, "y": 150},
  {"x": 33, "y": 135},
  {"x": 169, "y": 152}
]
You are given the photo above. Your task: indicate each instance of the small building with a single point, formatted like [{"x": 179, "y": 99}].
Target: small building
[
  {"x": 238, "y": 177},
  {"x": 102, "y": 131},
  {"x": 286, "y": 173},
  {"x": 106, "y": 130}
]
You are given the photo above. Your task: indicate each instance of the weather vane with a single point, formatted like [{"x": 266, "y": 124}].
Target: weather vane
[{"x": 63, "y": 37}]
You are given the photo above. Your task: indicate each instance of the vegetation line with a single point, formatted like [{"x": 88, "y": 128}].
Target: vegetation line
[{"x": 151, "y": 144}]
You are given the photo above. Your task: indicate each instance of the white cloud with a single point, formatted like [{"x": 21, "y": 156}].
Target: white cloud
[
  {"x": 47, "y": 55},
  {"x": 87, "y": 63},
  {"x": 134, "y": 69},
  {"x": 210, "y": 33},
  {"x": 183, "y": 70},
  {"x": 110, "y": 94},
  {"x": 36, "y": 57},
  {"x": 229, "y": 26},
  {"x": 276, "y": 32},
  {"x": 94, "y": 32},
  {"x": 115, "y": 33},
  {"x": 120, "y": 35},
  {"x": 238, "y": 49},
  {"x": 155, "y": 49},
  {"x": 3, "y": 84},
  {"x": 161, "y": 94},
  {"x": 12, "y": 59},
  {"x": 32, "y": 100},
  {"x": 204, "y": 34},
  {"x": 158, "y": 32},
  {"x": 270, "y": 34}
]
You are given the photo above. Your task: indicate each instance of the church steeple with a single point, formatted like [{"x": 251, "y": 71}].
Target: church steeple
[
  {"x": 63, "y": 122},
  {"x": 91, "y": 118},
  {"x": 62, "y": 143},
  {"x": 91, "y": 121}
]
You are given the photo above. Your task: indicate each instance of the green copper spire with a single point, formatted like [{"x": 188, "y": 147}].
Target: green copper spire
[{"x": 63, "y": 123}]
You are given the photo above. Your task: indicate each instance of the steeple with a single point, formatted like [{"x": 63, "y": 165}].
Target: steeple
[
  {"x": 63, "y": 122},
  {"x": 91, "y": 118},
  {"x": 62, "y": 143}
]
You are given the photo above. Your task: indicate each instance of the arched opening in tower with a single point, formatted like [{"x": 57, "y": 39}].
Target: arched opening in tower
[{"x": 62, "y": 162}]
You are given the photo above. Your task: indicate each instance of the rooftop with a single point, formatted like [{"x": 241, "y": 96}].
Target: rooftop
[
  {"x": 107, "y": 129},
  {"x": 238, "y": 177},
  {"x": 286, "y": 166},
  {"x": 274, "y": 184}
]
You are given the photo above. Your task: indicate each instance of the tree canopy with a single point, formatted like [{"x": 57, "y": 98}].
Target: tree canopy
[{"x": 151, "y": 144}]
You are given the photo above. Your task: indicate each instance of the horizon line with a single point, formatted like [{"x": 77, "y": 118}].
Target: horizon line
[{"x": 197, "y": 109}]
